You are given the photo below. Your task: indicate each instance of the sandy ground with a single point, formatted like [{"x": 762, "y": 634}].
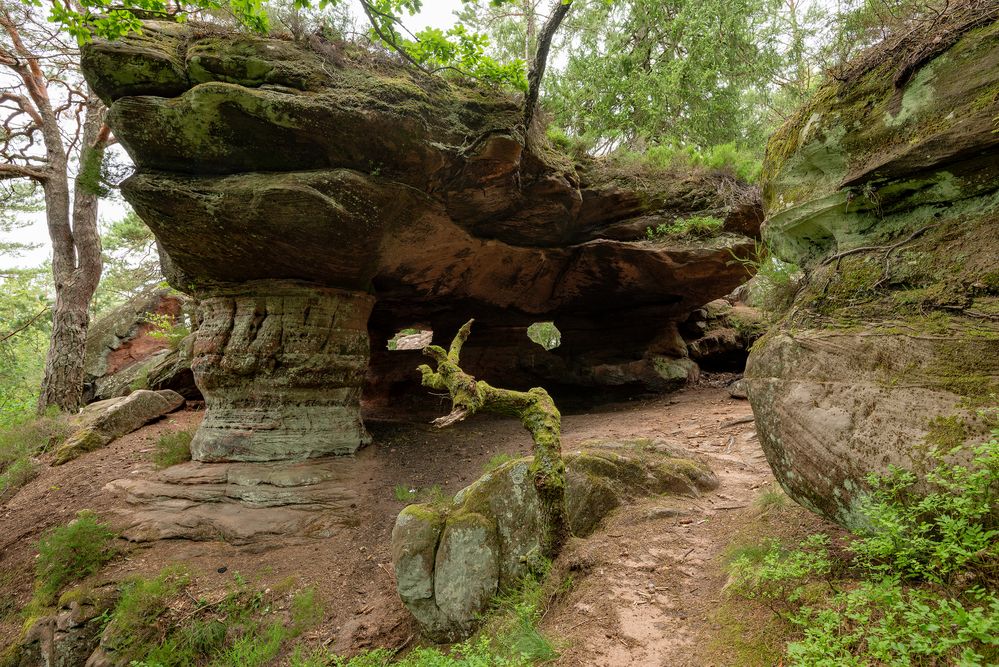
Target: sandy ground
[{"x": 644, "y": 585}]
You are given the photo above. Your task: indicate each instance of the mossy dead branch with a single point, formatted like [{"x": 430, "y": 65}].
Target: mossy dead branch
[{"x": 538, "y": 414}]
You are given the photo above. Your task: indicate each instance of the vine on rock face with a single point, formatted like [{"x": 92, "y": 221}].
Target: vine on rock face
[{"x": 538, "y": 414}]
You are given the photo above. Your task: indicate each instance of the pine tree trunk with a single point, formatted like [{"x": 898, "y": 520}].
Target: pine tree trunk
[{"x": 76, "y": 262}]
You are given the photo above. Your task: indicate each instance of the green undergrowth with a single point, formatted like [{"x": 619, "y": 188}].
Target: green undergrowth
[
  {"x": 158, "y": 622},
  {"x": 165, "y": 327},
  {"x": 775, "y": 282},
  {"x": 737, "y": 161},
  {"x": 694, "y": 227},
  {"x": 509, "y": 637},
  {"x": 496, "y": 461},
  {"x": 917, "y": 587},
  {"x": 172, "y": 448},
  {"x": 23, "y": 441},
  {"x": 68, "y": 554},
  {"x": 432, "y": 495}
]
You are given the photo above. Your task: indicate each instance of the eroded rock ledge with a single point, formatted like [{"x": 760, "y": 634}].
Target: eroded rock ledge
[
  {"x": 886, "y": 190},
  {"x": 267, "y": 166}
]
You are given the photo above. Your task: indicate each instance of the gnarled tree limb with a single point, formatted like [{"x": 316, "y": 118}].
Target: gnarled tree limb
[{"x": 538, "y": 414}]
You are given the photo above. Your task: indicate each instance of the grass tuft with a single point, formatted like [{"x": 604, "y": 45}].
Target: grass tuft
[
  {"x": 173, "y": 448},
  {"x": 70, "y": 553}
]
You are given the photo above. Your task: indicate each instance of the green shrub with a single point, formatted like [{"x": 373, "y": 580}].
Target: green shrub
[
  {"x": 167, "y": 328},
  {"x": 695, "y": 227},
  {"x": 172, "y": 448},
  {"x": 23, "y": 440},
  {"x": 775, "y": 282},
  {"x": 946, "y": 527},
  {"x": 883, "y": 622},
  {"x": 70, "y": 553},
  {"x": 778, "y": 573},
  {"x": 922, "y": 580}
]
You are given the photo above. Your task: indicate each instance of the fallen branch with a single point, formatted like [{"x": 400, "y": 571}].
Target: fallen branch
[{"x": 538, "y": 414}]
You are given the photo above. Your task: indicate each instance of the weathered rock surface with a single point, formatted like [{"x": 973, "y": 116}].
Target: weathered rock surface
[
  {"x": 123, "y": 353},
  {"x": 68, "y": 637},
  {"x": 721, "y": 333},
  {"x": 263, "y": 161},
  {"x": 281, "y": 367},
  {"x": 886, "y": 190},
  {"x": 451, "y": 559},
  {"x": 238, "y": 502},
  {"x": 105, "y": 421}
]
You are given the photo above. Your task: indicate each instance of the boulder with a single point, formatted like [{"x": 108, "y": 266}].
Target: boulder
[
  {"x": 282, "y": 182},
  {"x": 451, "y": 558},
  {"x": 68, "y": 637},
  {"x": 884, "y": 189},
  {"x": 124, "y": 353},
  {"x": 103, "y": 422}
]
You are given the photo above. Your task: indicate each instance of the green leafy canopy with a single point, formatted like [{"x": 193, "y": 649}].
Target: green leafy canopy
[{"x": 458, "y": 49}]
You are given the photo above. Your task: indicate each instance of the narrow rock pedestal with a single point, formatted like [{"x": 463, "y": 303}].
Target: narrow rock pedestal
[{"x": 281, "y": 366}]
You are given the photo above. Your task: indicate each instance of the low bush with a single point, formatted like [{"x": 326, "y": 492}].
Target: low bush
[
  {"x": 918, "y": 587},
  {"x": 22, "y": 441},
  {"x": 740, "y": 162},
  {"x": 152, "y": 625},
  {"x": 172, "y": 448},
  {"x": 695, "y": 227},
  {"x": 170, "y": 329},
  {"x": 70, "y": 553}
]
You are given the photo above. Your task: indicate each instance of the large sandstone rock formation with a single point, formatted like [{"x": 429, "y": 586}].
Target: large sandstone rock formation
[
  {"x": 295, "y": 189},
  {"x": 452, "y": 557},
  {"x": 885, "y": 188},
  {"x": 125, "y": 350}
]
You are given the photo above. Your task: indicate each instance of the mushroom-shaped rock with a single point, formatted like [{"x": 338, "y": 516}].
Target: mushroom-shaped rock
[{"x": 295, "y": 189}]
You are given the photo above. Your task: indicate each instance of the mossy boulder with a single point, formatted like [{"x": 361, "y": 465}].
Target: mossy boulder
[
  {"x": 69, "y": 636},
  {"x": 451, "y": 558},
  {"x": 105, "y": 421},
  {"x": 885, "y": 189}
]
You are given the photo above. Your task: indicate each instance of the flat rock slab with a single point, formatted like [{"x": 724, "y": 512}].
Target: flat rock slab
[
  {"x": 105, "y": 421},
  {"x": 239, "y": 502}
]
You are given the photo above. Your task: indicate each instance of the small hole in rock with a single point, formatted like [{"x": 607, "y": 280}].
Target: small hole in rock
[
  {"x": 411, "y": 338},
  {"x": 545, "y": 334}
]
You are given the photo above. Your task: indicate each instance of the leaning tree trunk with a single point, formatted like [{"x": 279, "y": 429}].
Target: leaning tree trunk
[
  {"x": 537, "y": 70},
  {"x": 76, "y": 259},
  {"x": 538, "y": 414}
]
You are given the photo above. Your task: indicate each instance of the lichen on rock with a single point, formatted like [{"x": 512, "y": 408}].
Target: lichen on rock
[{"x": 886, "y": 190}]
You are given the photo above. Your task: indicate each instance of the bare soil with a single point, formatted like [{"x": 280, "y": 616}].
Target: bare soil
[{"x": 646, "y": 588}]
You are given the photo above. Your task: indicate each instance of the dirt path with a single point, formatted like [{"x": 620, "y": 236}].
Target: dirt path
[{"x": 647, "y": 586}]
